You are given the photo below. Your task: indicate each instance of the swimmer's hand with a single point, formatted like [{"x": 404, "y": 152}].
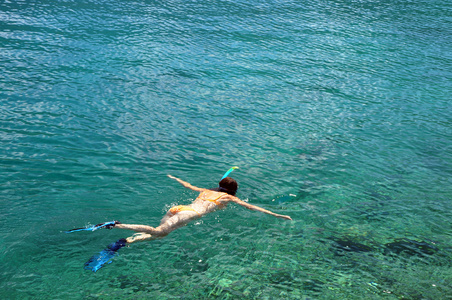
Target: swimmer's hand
[
  {"x": 186, "y": 184},
  {"x": 285, "y": 217}
]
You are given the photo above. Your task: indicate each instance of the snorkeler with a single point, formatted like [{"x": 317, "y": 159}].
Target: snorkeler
[{"x": 208, "y": 200}]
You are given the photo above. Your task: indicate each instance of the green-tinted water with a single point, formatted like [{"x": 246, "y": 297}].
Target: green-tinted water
[{"x": 337, "y": 112}]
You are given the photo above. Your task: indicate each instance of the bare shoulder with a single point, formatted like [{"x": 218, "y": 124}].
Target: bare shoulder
[{"x": 230, "y": 198}]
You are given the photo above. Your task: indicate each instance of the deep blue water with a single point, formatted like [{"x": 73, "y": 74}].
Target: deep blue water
[{"x": 338, "y": 113}]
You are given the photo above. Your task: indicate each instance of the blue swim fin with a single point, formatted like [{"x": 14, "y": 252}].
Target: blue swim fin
[
  {"x": 105, "y": 256},
  {"x": 107, "y": 225}
]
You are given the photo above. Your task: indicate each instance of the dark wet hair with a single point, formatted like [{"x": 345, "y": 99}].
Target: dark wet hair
[{"x": 227, "y": 185}]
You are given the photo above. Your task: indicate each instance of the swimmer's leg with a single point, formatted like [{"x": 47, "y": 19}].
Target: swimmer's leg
[
  {"x": 173, "y": 222},
  {"x": 142, "y": 229},
  {"x": 169, "y": 223},
  {"x": 166, "y": 217}
]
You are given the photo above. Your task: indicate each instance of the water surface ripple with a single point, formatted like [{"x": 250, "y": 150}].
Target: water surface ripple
[{"x": 337, "y": 112}]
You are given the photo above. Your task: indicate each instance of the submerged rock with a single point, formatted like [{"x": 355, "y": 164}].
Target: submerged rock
[
  {"x": 410, "y": 247},
  {"x": 348, "y": 245},
  {"x": 313, "y": 285}
]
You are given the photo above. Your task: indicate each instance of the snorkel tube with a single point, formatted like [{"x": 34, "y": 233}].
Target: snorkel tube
[{"x": 228, "y": 172}]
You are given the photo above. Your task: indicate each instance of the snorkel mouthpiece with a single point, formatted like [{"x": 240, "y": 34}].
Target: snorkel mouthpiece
[{"x": 228, "y": 172}]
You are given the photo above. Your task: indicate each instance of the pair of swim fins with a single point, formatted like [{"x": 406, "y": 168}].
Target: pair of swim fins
[{"x": 105, "y": 256}]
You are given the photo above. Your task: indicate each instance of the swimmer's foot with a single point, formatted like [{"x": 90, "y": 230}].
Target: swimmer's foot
[
  {"x": 138, "y": 237},
  {"x": 110, "y": 226}
]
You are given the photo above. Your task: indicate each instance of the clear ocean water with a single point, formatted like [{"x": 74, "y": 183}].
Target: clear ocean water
[{"x": 338, "y": 113}]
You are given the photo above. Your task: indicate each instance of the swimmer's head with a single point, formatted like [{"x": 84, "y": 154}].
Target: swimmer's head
[{"x": 228, "y": 185}]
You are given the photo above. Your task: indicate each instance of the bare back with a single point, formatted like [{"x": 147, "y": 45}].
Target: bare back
[{"x": 209, "y": 201}]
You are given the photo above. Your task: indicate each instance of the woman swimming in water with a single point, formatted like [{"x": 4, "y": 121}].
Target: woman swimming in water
[{"x": 209, "y": 200}]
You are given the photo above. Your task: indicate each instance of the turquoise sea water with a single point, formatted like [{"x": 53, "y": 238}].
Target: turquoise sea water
[{"x": 338, "y": 113}]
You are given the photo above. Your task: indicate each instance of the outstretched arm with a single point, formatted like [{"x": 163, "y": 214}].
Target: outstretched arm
[
  {"x": 257, "y": 208},
  {"x": 186, "y": 184}
]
